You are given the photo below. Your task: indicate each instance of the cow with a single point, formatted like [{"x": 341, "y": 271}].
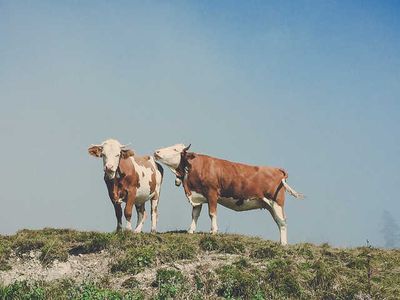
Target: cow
[
  {"x": 131, "y": 179},
  {"x": 236, "y": 186}
]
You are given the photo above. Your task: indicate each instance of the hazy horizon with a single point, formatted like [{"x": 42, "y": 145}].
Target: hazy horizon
[{"x": 310, "y": 86}]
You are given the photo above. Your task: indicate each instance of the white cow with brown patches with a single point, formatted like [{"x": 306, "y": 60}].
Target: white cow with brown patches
[{"x": 131, "y": 179}]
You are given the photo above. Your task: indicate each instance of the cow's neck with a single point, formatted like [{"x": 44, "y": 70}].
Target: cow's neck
[{"x": 182, "y": 169}]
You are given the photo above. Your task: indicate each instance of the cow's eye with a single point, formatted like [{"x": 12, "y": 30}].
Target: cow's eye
[{"x": 117, "y": 155}]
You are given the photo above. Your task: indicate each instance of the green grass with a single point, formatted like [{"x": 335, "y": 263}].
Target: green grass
[
  {"x": 169, "y": 282},
  {"x": 64, "y": 289},
  {"x": 5, "y": 250},
  {"x": 228, "y": 266}
]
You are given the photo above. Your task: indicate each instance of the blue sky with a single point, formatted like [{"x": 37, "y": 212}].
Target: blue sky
[{"x": 311, "y": 86}]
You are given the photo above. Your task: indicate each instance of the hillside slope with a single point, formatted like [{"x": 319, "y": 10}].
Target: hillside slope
[{"x": 67, "y": 264}]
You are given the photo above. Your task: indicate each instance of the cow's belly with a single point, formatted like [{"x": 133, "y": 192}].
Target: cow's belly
[
  {"x": 142, "y": 198},
  {"x": 237, "y": 205},
  {"x": 196, "y": 199}
]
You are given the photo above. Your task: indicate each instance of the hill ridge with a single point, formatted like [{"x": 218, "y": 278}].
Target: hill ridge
[{"x": 66, "y": 264}]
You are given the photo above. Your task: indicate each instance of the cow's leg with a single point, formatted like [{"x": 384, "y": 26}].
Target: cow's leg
[
  {"x": 279, "y": 216},
  {"x": 128, "y": 209},
  {"x": 118, "y": 214},
  {"x": 195, "y": 215},
  {"x": 154, "y": 213},
  {"x": 141, "y": 217},
  {"x": 212, "y": 210}
]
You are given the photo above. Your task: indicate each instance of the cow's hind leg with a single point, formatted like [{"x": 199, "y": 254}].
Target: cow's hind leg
[
  {"x": 154, "y": 212},
  {"x": 212, "y": 210},
  {"x": 279, "y": 216},
  {"x": 195, "y": 215},
  {"x": 141, "y": 217}
]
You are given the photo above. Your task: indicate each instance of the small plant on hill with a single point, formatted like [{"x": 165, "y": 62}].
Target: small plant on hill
[
  {"x": 135, "y": 260},
  {"x": 169, "y": 283},
  {"x": 51, "y": 251},
  {"x": 209, "y": 243}
]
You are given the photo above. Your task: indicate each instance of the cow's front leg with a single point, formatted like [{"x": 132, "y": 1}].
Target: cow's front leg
[
  {"x": 128, "y": 209},
  {"x": 195, "y": 215},
  {"x": 141, "y": 217},
  {"x": 212, "y": 210},
  {"x": 118, "y": 215}
]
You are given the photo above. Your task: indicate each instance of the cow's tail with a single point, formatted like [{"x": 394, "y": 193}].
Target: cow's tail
[{"x": 291, "y": 191}]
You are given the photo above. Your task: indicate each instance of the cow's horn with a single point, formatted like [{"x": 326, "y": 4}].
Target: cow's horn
[
  {"x": 187, "y": 148},
  {"x": 124, "y": 146}
]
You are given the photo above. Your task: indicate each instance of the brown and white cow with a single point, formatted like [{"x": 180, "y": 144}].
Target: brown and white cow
[
  {"x": 234, "y": 185},
  {"x": 131, "y": 179}
]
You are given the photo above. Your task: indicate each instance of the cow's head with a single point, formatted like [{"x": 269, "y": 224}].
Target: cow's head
[
  {"x": 111, "y": 151},
  {"x": 171, "y": 156}
]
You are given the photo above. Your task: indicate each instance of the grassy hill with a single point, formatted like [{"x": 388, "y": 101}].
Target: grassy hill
[{"x": 67, "y": 264}]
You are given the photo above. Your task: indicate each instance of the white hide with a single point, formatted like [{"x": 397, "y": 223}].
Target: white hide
[
  {"x": 141, "y": 217},
  {"x": 248, "y": 204},
  {"x": 170, "y": 156},
  {"x": 214, "y": 224},
  {"x": 154, "y": 202},
  {"x": 143, "y": 192},
  {"x": 280, "y": 220},
  {"x": 195, "y": 216},
  {"x": 197, "y": 199},
  {"x": 111, "y": 151},
  {"x": 128, "y": 225}
]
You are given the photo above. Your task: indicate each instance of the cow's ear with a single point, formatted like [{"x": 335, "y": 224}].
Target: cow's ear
[
  {"x": 95, "y": 151},
  {"x": 125, "y": 153}
]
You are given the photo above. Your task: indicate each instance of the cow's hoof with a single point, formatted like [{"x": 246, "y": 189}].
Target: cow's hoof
[
  {"x": 190, "y": 231},
  {"x": 153, "y": 231},
  {"x": 213, "y": 232}
]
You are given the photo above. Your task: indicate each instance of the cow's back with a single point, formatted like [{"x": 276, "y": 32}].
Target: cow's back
[{"x": 233, "y": 180}]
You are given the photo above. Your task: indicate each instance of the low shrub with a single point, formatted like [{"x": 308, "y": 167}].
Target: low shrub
[
  {"x": 5, "y": 251},
  {"x": 169, "y": 283},
  {"x": 209, "y": 243},
  {"x": 135, "y": 260},
  {"x": 51, "y": 251},
  {"x": 282, "y": 275},
  {"x": 237, "y": 282}
]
